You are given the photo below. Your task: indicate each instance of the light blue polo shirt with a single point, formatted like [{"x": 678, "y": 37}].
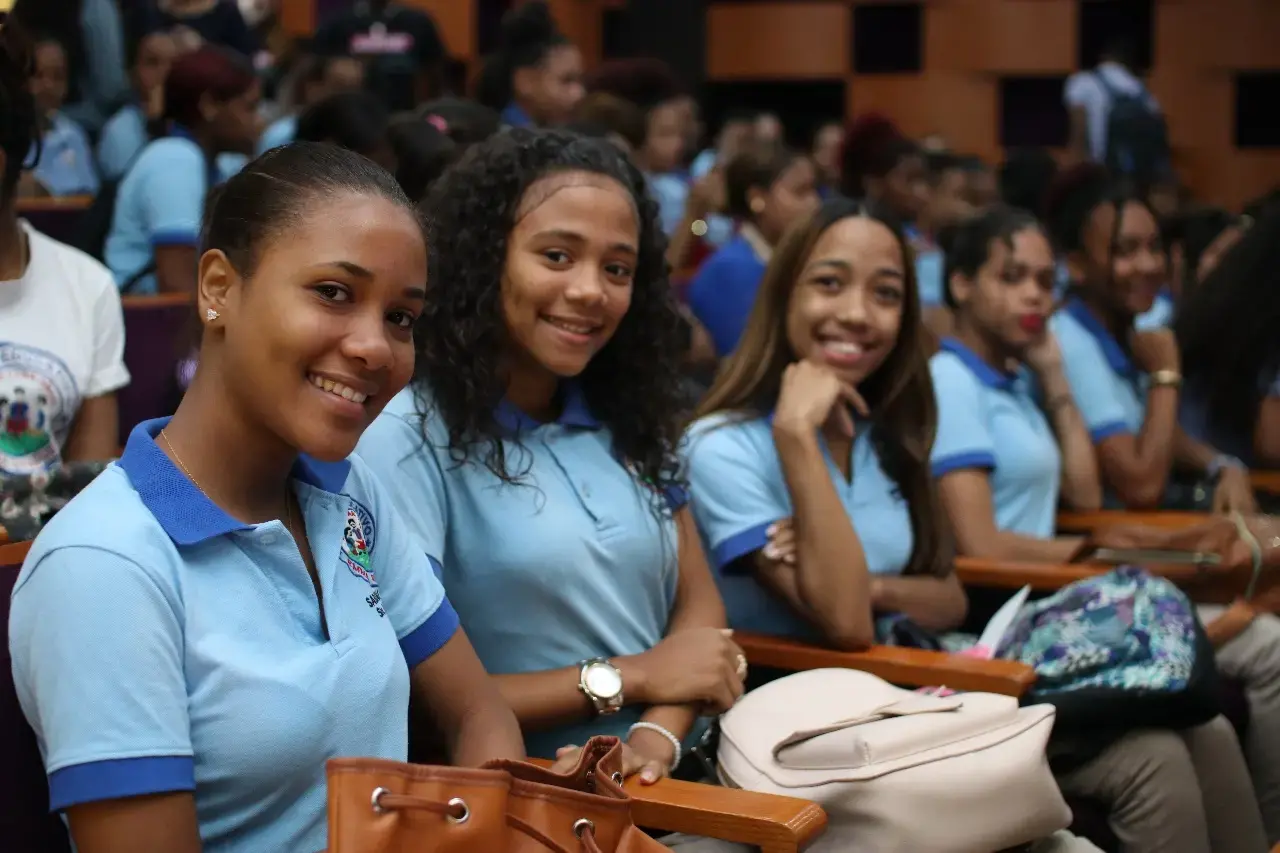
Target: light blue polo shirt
[
  {"x": 577, "y": 561},
  {"x": 1159, "y": 315},
  {"x": 66, "y": 159},
  {"x": 123, "y": 137},
  {"x": 159, "y": 203},
  {"x": 1109, "y": 389},
  {"x": 989, "y": 419},
  {"x": 160, "y": 645},
  {"x": 280, "y": 132},
  {"x": 737, "y": 490}
]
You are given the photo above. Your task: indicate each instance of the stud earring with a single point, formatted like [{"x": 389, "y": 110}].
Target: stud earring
[{"x": 211, "y": 315}]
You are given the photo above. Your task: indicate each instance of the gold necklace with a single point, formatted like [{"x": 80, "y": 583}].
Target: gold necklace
[{"x": 288, "y": 505}]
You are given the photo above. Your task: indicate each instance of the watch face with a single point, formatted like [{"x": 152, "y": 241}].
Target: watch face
[{"x": 603, "y": 681}]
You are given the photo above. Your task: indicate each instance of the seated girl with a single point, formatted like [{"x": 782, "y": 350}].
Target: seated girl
[
  {"x": 61, "y": 327},
  {"x": 65, "y": 166},
  {"x": 1002, "y": 465},
  {"x": 210, "y": 108},
  {"x": 767, "y": 188},
  {"x": 537, "y": 443},
  {"x": 809, "y": 476},
  {"x": 235, "y": 601},
  {"x": 128, "y": 131},
  {"x": 1232, "y": 394},
  {"x": 1126, "y": 382}
]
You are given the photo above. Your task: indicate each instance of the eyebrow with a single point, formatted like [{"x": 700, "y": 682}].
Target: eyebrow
[
  {"x": 846, "y": 267},
  {"x": 347, "y": 266},
  {"x": 575, "y": 237}
]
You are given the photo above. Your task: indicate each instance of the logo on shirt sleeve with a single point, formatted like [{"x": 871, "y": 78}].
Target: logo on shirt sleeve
[{"x": 357, "y": 543}]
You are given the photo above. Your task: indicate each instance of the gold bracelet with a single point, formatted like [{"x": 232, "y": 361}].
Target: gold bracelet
[{"x": 1166, "y": 379}]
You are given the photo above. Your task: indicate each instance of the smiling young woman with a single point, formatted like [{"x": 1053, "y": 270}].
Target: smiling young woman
[{"x": 235, "y": 600}]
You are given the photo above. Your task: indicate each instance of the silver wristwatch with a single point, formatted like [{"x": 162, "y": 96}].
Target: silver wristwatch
[{"x": 601, "y": 682}]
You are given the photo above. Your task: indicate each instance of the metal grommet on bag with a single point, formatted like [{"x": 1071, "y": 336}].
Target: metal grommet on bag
[
  {"x": 581, "y": 825},
  {"x": 459, "y": 803},
  {"x": 375, "y": 800},
  {"x": 617, "y": 778}
]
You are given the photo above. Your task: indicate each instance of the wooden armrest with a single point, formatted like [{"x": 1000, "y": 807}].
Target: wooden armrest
[
  {"x": 1013, "y": 574},
  {"x": 158, "y": 300},
  {"x": 43, "y": 203},
  {"x": 913, "y": 667},
  {"x": 774, "y": 824},
  {"x": 1265, "y": 481},
  {"x": 13, "y": 553},
  {"x": 1084, "y": 522}
]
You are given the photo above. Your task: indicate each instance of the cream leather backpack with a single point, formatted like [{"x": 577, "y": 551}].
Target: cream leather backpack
[{"x": 897, "y": 770}]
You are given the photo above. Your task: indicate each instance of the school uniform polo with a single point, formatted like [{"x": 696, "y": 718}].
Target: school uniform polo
[
  {"x": 282, "y": 131},
  {"x": 123, "y": 136},
  {"x": 578, "y": 560},
  {"x": 161, "y": 645},
  {"x": 1159, "y": 315},
  {"x": 990, "y": 420},
  {"x": 159, "y": 203},
  {"x": 724, "y": 290},
  {"x": 737, "y": 491},
  {"x": 1109, "y": 389},
  {"x": 66, "y": 165}
]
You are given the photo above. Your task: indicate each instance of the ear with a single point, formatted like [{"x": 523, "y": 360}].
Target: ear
[
  {"x": 755, "y": 200},
  {"x": 961, "y": 287},
  {"x": 524, "y": 80},
  {"x": 208, "y": 107},
  {"x": 1076, "y": 265},
  {"x": 216, "y": 286}
]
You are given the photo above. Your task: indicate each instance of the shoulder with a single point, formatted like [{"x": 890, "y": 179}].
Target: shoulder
[
  {"x": 74, "y": 267},
  {"x": 109, "y": 518},
  {"x": 728, "y": 438},
  {"x": 171, "y": 152},
  {"x": 1080, "y": 86},
  {"x": 410, "y": 413},
  {"x": 948, "y": 370},
  {"x": 128, "y": 117}
]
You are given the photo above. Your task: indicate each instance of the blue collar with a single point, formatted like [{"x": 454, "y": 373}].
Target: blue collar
[
  {"x": 575, "y": 412},
  {"x": 185, "y": 512},
  {"x": 1117, "y": 358},
  {"x": 513, "y": 115},
  {"x": 987, "y": 375}
]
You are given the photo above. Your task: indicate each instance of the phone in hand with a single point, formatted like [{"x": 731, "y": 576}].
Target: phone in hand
[{"x": 1141, "y": 556}]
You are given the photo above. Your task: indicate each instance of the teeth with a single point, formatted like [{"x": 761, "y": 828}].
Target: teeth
[
  {"x": 843, "y": 347},
  {"x": 571, "y": 327},
  {"x": 343, "y": 391}
]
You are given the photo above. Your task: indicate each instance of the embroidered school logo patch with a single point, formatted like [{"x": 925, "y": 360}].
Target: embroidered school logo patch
[{"x": 357, "y": 543}]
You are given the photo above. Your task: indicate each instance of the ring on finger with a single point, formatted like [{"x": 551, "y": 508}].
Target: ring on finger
[{"x": 742, "y": 666}]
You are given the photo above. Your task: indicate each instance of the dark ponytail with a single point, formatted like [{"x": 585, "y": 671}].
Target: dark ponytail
[{"x": 528, "y": 35}]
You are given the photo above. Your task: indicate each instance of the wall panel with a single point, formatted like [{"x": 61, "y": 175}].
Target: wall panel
[
  {"x": 1010, "y": 37},
  {"x": 783, "y": 40}
]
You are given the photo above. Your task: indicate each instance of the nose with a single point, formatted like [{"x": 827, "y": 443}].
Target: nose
[
  {"x": 368, "y": 342},
  {"x": 586, "y": 287},
  {"x": 852, "y": 310}
]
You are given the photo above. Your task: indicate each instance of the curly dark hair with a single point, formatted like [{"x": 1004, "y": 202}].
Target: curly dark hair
[{"x": 632, "y": 386}]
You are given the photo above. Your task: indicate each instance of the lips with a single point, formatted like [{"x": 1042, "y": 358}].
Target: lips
[{"x": 1033, "y": 323}]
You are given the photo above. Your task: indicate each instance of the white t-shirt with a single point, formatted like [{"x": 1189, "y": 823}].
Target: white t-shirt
[
  {"x": 61, "y": 341},
  {"x": 1083, "y": 89}
]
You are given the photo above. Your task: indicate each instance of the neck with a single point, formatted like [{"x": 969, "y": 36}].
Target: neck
[
  {"x": 984, "y": 346},
  {"x": 13, "y": 245},
  {"x": 237, "y": 464},
  {"x": 1116, "y": 322},
  {"x": 532, "y": 390}
]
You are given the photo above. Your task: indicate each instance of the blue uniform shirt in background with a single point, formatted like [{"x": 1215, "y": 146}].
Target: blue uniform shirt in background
[
  {"x": 989, "y": 419},
  {"x": 161, "y": 645},
  {"x": 737, "y": 491},
  {"x": 578, "y": 560},
  {"x": 66, "y": 159},
  {"x": 280, "y": 132},
  {"x": 723, "y": 291}
]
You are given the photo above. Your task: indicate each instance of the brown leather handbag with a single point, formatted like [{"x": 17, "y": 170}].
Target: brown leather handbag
[{"x": 378, "y": 806}]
